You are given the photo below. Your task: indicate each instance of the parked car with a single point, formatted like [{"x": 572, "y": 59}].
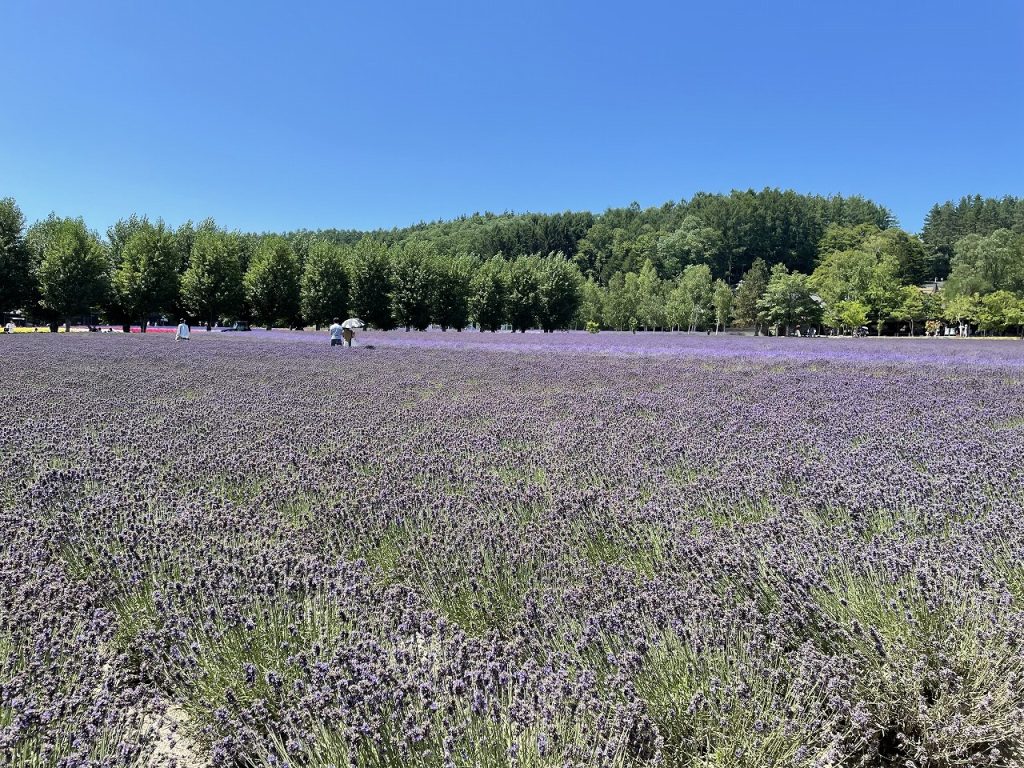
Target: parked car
[{"x": 238, "y": 325}]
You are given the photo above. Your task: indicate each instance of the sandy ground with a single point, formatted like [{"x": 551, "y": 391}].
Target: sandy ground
[{"x": 173, "y": 747}]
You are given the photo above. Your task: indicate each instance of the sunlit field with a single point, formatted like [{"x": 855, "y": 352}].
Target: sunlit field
[{"x": 488, "y": 550}]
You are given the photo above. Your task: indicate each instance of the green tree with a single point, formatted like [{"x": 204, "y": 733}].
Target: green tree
[
  {"x": 523, "y": 292},
  {"x": 845, "y": 238},
  {"x": 451, "y": 291},
  {"x": 886, "y": 290},
  {"x": 999, "y": 311},
  {"x": 696, "y": 282},
  {"x": 74, "y": 273},
  {"x": 211, "y": 287},
  {"x": 371, "y": 283},
  {"x": 749, "y": 291},
  {"x": 558, "y": 292},
  {"x": 17, "y": 278},
  {"x": 622, "y": 301},
  {"x": 146, "y": 280},
  {"x": 412, "y": 284},
  {"x": 789, "y": 300},
  {"x": 983, "y": 264},
  {"x": 909, "y": 253},
  {"x": 722, "y": 298},
  {"x": 272, "y": 283},
  {"x": 692, "y": 243},
  {"x": 324, "y": 288},
  {"x": 591, "y": 304},
  {"x": 650, "y": 310},
  {"x": 850, "y": 315},
  {"x": 118, "y": 235},
  {"x": 961, "y": 309},
  {"x": 912, "y": 307},
  {"x": 489, "y": 294},
  {"x": 679, "y": 307},
  {"x": 844, "y": 276}
]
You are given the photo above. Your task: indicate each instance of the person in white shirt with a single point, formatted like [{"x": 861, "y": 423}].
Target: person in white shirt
[
  {"x": 336, "y": 332},
  {"x": 183, "y": 331},
  {"x": 9, "y": 328}
]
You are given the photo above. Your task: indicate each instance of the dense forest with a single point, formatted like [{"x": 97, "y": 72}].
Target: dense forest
[{"x": 773, "y": 260}]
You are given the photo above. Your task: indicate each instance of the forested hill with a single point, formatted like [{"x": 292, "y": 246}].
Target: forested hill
[
  {"x": 744, "y": 257},
  {"x": 727, "y": 232},
  {"x": 949, "y": 222}
]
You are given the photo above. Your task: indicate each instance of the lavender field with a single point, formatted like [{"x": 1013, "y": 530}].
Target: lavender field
[{"x": 494, "y": 550}]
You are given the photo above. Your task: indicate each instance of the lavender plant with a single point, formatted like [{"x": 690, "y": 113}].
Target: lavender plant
[{"x": 488, "y": 550}]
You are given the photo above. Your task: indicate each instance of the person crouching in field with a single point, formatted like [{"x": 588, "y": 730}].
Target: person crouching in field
[
  {"x": 183, "y": 331},
  {"x": 336, "y": 332}
]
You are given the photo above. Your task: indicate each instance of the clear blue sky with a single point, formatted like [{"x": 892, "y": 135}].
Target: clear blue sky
[{"x": 277, "y": 116}]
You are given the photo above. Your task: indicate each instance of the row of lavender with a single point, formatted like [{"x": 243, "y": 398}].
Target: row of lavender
[{"x": 444, "y": 554}]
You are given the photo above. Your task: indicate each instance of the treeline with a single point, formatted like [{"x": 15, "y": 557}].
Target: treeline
[{"x": 770, "y": 259}]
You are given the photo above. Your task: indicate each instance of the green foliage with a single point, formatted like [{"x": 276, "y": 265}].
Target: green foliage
[
  {"x": 948, "y": 223},
  {"x": 961, "y": 308},
  {"x": 371, "y": 283},
  {"x": 523, "y": 292},
  {"x": 621, "y": 301},
  {"x": 558, "y": 292},
  {"x": 451, "y": 291},
  {"x": 272, "y": 283},
  {"x": 74, "y": 272},
  {"x": 746, "y": 309},
  {"x": 721, "y": 299},
  {"x": 715, "y": 709},
  {"x": 691, "y": 302},
  {"x": 145, "y": 280},
  {"x": 489, "y": 292},
  {"x": 850, "y": 315},
  {"x": 412, "y": 284},
  {"x": 937, "y": 672},
  {"x": 986, "y": 264},
  {"x": 788, "y": 300},
  {"x": 324, "y": 288},
  {"x": 692, "y": 243},
  {"x": 211, "y": 287},
  {"x": 1000, "y": 311},
  {"x": 591, "y": 308},
  {"x": 17, "y": 281},
  {"x": 913, "y": 307},
  {"x": 650, "y": 302}
]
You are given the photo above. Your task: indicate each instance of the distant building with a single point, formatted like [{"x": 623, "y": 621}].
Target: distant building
[{"x": 932, "y": 286}]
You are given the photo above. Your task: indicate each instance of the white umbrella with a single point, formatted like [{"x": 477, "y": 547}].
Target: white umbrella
[{"x": 354, "y": 323}]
